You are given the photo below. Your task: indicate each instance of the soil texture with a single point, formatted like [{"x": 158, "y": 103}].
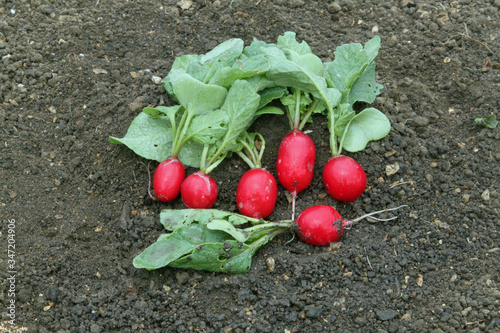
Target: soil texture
[{"x": 75, "y": 206}]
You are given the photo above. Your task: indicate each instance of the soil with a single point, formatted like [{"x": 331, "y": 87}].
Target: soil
[{"x": 75, "y": 206}]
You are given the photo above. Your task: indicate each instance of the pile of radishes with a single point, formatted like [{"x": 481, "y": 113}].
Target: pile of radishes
[{"x": 222, "y": 92}]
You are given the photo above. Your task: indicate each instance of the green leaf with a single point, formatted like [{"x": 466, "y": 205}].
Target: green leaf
[
  {"x": 289, "y": 42},
  {"x": 309, "y": 61},
  {"x": 255, "y": 48},
  {"x": 148, "y": 137},
  {"x": 270, "y": 94},
  {"x": 173, "y": 219},
  {"x": 300, "y": 53},
  {"x": 229, "y": 257},
  {"x": 208, "y": 239},
  {"x": 227, "y": 227},
  {"x": 190, "y": 154},
  {"x": 365, "y": 89},
  {"x": 182, "y": 65},
  {"x": 290, "y": 102},
  {"x": 342, "y": 118},
  {"x": 208, "y": 128},
  {"x": 224, "y": 53},
  {"x": 172, "y": 246},
  {"x": 241, "y": 69},
  {"x": 261, "y": 83},
  {"x": 287, "y": 73},
  {"x": 240, "y": 106},
  {"x": 198, "y": 97},
  {"x": 160, "y": 111},
  {"x": 370, "y": 124},
  {"x": 350, "y": 62},
  {"x": 268, "y": 110},
  {"x": 490, "y": 121}
]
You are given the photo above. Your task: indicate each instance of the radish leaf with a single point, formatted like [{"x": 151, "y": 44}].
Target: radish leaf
[
  {"x": 228, "y": 257},
  {"x": 228, "y": 228},
  {"x": 173, "y": 219},
  {"x": 240, "y": 106},
  {"x": 170, "y": 247},
  {"x": 365, "y": 89},
  {"x": 210, "y": 240},
  {"x": 370, "y": 124},
  {"x": 208, "y": 128},
  {"x": 242, "y": 68},
  {"x": 350, "y": 62},
  {"x": 198, "y": 97},
  {"x": 148, "y": 137}
]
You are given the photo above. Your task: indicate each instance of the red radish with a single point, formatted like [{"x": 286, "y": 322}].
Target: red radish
[
  {"x": 168, "y": 178},
  {"x": 297, "y": 154},
  {"x": 199, "y": 190},
  {"x": 257, "y": 189},
  {"x": 321, "y": 225},
  {"x": 344, "y": 178},
  {"x": 317, "y": 225},
  {"x": 295, "y": 163},
  {"x": 256, "y": 193}
]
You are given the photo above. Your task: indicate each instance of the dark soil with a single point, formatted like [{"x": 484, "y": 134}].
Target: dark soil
[{"x": 74, "y": 72}]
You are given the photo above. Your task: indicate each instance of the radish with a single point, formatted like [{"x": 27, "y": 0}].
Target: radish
[
  {"x": 352, "y": 73},
  {"x": 257, "y": 189},
  {"x": 297, "y": 153},
  {"x": 295, "y": 163},
  {"x": 168, "y": 178},
  {"x": 199, "y": 190},
  {"x": 321, "y": 225},
  {"x": 257, "y": 193},
  {"x": 344, "y": 178}
]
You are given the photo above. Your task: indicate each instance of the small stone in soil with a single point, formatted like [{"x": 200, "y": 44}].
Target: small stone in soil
[{"x": 386, "y": 314}]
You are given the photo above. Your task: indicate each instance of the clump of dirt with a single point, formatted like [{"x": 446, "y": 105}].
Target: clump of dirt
[{"x": 74, "y": 72}]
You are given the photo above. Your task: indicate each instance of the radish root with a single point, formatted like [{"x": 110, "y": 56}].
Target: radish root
[
  {"x": 151, "y": 195},
  {"x": 349, "y": 223}
]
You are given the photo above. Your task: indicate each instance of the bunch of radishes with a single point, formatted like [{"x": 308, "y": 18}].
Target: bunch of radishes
[{"x": 222, "y": 92}]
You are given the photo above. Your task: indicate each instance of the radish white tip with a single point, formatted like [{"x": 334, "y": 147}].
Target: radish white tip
[
  {"x": 383, "y": 220},
  {"x": 293, "y": 237},
  {"x": 153, "y": 197},
  {"x": 378, "y": 212}
]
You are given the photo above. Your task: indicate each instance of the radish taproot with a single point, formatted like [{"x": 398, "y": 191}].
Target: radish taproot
[
  {"x": 295, "y": 66},
  {"x": 257, "y": 193},
  {"x": 168, "y": 179},
  {"x": 295, "y": 163},
  {"x": 257, "y": 189},
  {"x": 353, "y": 74},
  {"x": 344, "y": 178},
  {"x": 199, "y": 190},
  {"x": 322, "y": 224}
]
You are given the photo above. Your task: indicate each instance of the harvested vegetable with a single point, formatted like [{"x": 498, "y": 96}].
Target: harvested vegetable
[
  {"x": 353, "y": 74},
  {"x": 257, "y": 189},
  {"x": 321, "y": 225},
  {"x": 219, "y": 241}
]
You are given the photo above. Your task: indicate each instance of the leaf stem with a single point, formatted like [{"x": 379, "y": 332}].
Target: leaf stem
[
  {"x": 263, "y": 240},
  {"x": 246, "y": 159},
  {"x": 250, "y": 153},
  {"x": 343, "y": 136},
  {"x": 262, "y": 148},
  {"x": 203, "y": 160},
  {"x": 178, "y": 141},
  {"x": 213, "y": 164},
  {"x": 263, "y": 229},
  {"x": 296, "y": 122},
  {"x": 308, "y": 114},
  {"x": 331, "y": 128}
]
